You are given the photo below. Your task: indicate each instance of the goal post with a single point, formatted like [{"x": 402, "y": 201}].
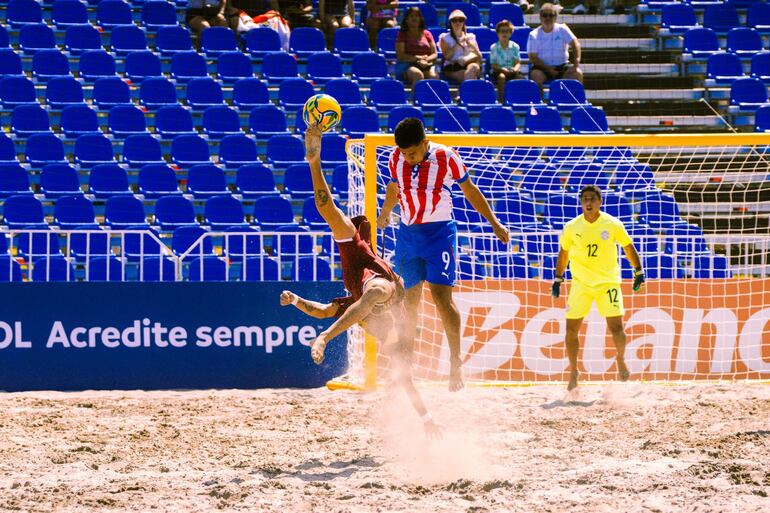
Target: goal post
[{"x": 695, "y": 205}]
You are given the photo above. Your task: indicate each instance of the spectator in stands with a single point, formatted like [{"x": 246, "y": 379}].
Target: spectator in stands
[
  {"x": 415, "y": 49},
  {"x": 505, "y": 58},
  {"x": 299, "y": 13},
  {"x": 548, "y": 48},
  {"x": 380, "y": 14},
  {"x": 462, "y": 57},
  {"x": 252, "y": 8},
  {"x": 202, "y": 14},
  {"x": 335, "y": 14}
]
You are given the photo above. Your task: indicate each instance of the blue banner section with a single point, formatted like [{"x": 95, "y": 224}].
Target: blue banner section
[{"x": 78, "y": 336}]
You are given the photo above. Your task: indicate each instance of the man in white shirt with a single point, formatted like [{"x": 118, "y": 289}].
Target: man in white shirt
[{"x": 548, "y": 48}]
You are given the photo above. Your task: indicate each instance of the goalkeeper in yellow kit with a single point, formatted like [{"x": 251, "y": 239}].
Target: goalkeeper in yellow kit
[{"x": 588, "y": 243}]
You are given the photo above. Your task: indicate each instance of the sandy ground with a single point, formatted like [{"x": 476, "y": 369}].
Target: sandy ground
[{"x": 616, "y": 448}]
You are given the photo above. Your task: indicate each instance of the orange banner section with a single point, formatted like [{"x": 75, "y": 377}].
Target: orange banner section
[{"x": 676, "y": 329}]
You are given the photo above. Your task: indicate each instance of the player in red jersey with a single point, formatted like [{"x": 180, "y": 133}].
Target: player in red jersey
[{"x": 376, "y": 292}]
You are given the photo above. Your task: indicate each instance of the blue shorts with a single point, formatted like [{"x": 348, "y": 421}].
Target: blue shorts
[{"x": 427, "y": 252}]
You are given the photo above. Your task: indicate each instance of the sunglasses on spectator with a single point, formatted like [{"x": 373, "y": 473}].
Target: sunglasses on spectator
[
  {"x": 547, "y": 15},
  {"x": 457, "y": 20}
]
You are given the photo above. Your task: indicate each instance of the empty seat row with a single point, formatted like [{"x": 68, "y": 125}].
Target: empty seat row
[
  {"x": 724, "y": 68},
  {"x": 678, "y": 18},
  {"x": 109, "y": 13},
  {"x": 703, "y": 42}
]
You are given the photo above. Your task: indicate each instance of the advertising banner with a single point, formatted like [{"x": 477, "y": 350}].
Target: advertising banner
[{"x": 77, "y": 336}]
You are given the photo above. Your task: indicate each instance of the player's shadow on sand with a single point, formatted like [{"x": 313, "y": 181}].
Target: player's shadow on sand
[
  {"x": 561, "y": 403},
  {"x": 346, "y": 469}
]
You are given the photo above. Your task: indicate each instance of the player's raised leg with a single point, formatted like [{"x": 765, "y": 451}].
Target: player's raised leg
[
  {"x": 450, "y": 316},
  {"x": 615, "y": 325}
]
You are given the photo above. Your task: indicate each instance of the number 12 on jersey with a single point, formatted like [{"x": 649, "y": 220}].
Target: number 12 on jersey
[{"x": 592, "y": 249}]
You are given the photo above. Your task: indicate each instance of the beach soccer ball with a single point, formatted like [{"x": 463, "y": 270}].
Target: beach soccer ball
[{"x": 322, "y": 109}]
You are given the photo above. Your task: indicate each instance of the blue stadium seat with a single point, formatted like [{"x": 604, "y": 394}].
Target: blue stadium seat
[
  {"x": 451, "y": 119},
  {"x": 350, "y": 41},
  {"x": 356, "y": 121},
  {"x": 125, "y": 120},
  {"x": 368, "y": 67},
  {"x": 645, "y": 240},
  {"x": 297, "y": 182},
  {"x": 660, "y": 211},
  {"x": 294, "y": 92},
  {"x": 305, "y": 41},
  {"x": 142, "y": 245},
  {"x": 14, "y": 180},
  {"x": 156, "y": 92},
  {"x": 262, "y": 40},
  {"x": 29, "y": 119},
  {"x": 430, "y": 94},
  {"x": 233, "y": 66},
  {"x": 712, "y": 266},
  {"x": 266, "y": 121},
  {"x": 430, "y": 13},
  {"x": 203, "y": 93},
  {"x": 255, "y": 180},
  {"x": 192, "y": 239},
  {"x": 158, "y": 14},
  {"x": 677, "y": 19},
  {"x": 699, "y": 43},
  {"x": 188, "y": 65},
  {"x": 237, "y": 150},
  {"x": 720, "y": 17},
  {"x": 10, "y": 270},
  {"x": 386, "y": 93},
  {"x": 323, "y": 66},
  {"x": 333, "y": 149},
  {"x": 485, "y": 38},
  {"x": 105, "y": 268},
  {"x": 23, "y": 12},
  {"x": 589, "y": 120},
  {"x": 173, "y": 212},
  {"x": 472, "y": 14},
  {"x": 541, "y": 180},
  {"x": 520, "y": 37},
  {"x": 476, "y": 95},
  {"x": 587, "y": 174},
  {"x": 758, "y": 16},
  {"x": 521, "y": 95},
  {"x": 126, "y": 39},
  {"x": 345, "y": 91},
  {"x": 111, "y": 91},
  {"x": 120, "y": 212},
  {"x": 188, "y": 150},
  {"x": 762, "y": 119},
  {"x": 509, "y": 265},
  {"x": 242, "y": 242},
  {"x": 156, "y": 268},
  {"x": 617, "y": 205},
  {"x": 80, "y": 38},
  {"x": 113, "y": 13},
  {"x": 517, "y": 212},
  {"x": 499, "y": 11},
  {"x": 311, "y": 268},
  {"x": 543, "y": 120},
  {"x": 141, "y": 65},
  {"x": 221, "y": 120},
  {"x": 339, "y": 183},
  {"x": 497, "y": 120},
  {"x": 32, "y": 245},
  {"x": 78, "y": 118},
  {"x": 249, "y": 93},
  {"x": 57, "y": 180},
  {"x": 44, "y": 149},
  {"x": 22, "y": 211},
  {"x": 261, "y": 268},
  {"x": 744, "y": 41},
  {"x": 561, "y": 208},
  {"x": 173, "y": 120},
  {"x": 157, "y": 180},
  {"x": 223, "y": 212},
  {"x": 272, "y": 211},
  {"x": 53, "y": 268},
  {"x": 50, "y": 63},
  {"x": 72, "y": 212},
  {"x": 66, "y": 13},
  {"x": 630, "y": 177},
  {"x": 96, "y": 64},
  {"x": 279, "y": 66},
  {"x": 311, "y": 217},
  {"x": 760, "y": 66},
  {"x": 10, "y": 63},
  {"x": 107, "y": 180},
  {"x": 7, "y": 150},
  {"x": 386, "y": 41},
  {"x": 661, "y": 267},
  {"x": 567, "y": 94},
  {"x": 464, "y": 214},
  {"x": 142, "y": 149},
  {"x": 685, "y": 242},
  {"x": 397, "y": 114},
  {"x": 206, "y": 180},
  {"x": 62, "y": 91},
  {"x": 723, "y": 68},
  {"x": 215, "y": 40},
  {"x": 5, "y": 41},
  {"x": 208, "y": 268},
  {"x": 747, "y": 93},
  {"x": 170, "y": 40},
  {"x": 35, "y": 37},
  {"x": 93, "y": 149},
  {"x": 469, "y": 268}
]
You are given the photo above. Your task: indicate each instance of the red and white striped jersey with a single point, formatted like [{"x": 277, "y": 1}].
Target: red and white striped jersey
[{"x": 425, "y": 189}]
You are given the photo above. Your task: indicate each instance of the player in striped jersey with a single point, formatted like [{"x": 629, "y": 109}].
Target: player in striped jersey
[{"x": 421, "y": 177}]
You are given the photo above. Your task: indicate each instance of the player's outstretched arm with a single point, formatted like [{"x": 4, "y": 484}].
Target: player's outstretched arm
[
  {"x": 479, "y": 202},
  {"x": 341, "y": 226},
  {"x": 636, "y": 263},
  {"x": 312, "y": 308},
  {"x": 391, "y": 200}
]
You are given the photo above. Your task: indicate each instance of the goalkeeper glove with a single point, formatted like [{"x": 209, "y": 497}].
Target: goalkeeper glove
[
  {"x": 556, "y": 286},
  {"x": 638, "y": 279}
]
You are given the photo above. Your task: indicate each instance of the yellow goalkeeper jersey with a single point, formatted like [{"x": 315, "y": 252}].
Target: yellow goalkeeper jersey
[{"x": 593, "y": 255}]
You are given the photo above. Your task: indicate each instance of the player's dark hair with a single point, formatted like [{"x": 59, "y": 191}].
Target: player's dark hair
[
  {"x": 409, "y": 132},
  {"x": 591, "y": 188}
]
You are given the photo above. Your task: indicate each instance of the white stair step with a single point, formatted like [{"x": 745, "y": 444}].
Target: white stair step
[
  {"x": 644, "y": 94},
  {"x": 662, "y": 121},
  {"x": 668, "y": 69}
]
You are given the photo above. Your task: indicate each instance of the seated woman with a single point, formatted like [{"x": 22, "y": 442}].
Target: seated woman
[
  {"x": 415, "y": 49},
  {"x": 462, "y": 57}
]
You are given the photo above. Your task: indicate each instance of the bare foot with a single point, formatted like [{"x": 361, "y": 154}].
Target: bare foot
[
  {"x": 318, "y": 348},
  {"x": 573, "y": 381},
  {"x": 455, "y": 376},
  {"x": 623, "y": 373}
]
